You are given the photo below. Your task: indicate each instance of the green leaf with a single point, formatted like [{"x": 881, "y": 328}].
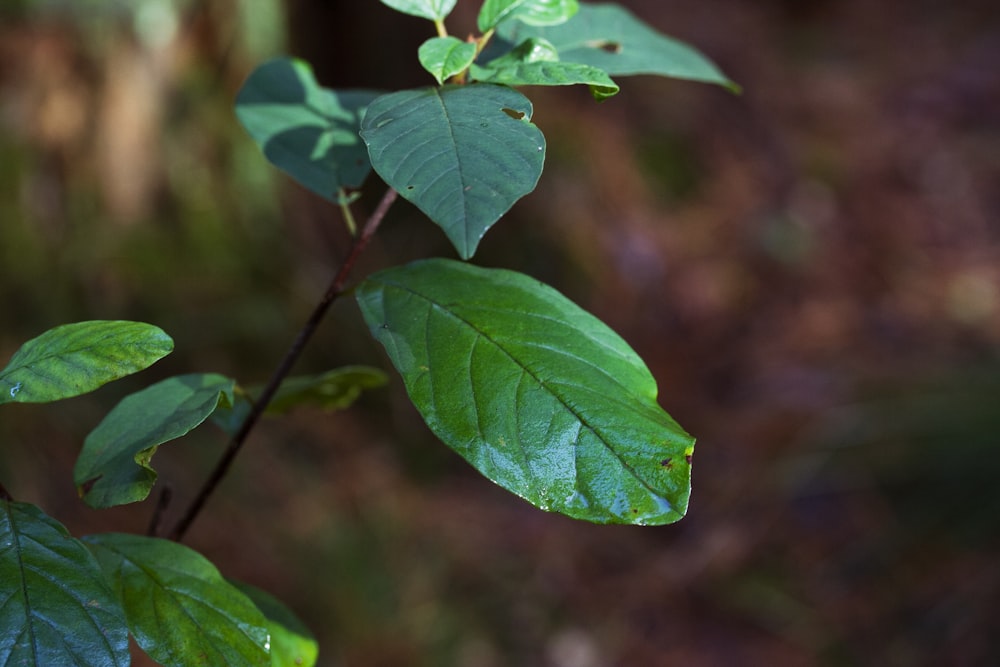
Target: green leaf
[
  {"x": 445, "y": 57},
  {"x": 55, "y": 604},
  {"x": 462, "y": 154},
  {"x": 435, "y": 10},
  {"x": 533, "y": 12},
  {"x": 180, "y": 610},
  {"x": 307, "y": 131},
  {"x": 333, "y": 390},
  {"x": 73, "y": 359},
  {"x": 535, "y": 62},
  {"x": 612, "y": 39},
  {"x": 538, "y": 395},
  {"x": 292, "y": 644},
  {"x": 113, "y": 467}
]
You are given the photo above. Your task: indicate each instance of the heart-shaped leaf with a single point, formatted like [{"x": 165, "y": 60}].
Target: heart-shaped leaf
[
  {"x": 56, "y": 607},
  {"x": 435, "y": 10},
  {"x": 74, "y": 359},
  {"x": 180, "y": 610},
  {"x": 535, "y": 62},
  {"x": 292, "y": 644},
  {"x": 538, "y": 395},
  {"x": 612, "y": 39},
  {"x": 462, "y": 154},
  {"x": 307, "y": 131},
  {"x": 533, "y": 12},
  {"x": 113, "y": 467},
  {"x": 445, "y": 57}
]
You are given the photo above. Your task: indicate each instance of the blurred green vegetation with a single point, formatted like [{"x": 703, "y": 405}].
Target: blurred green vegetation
[{"x": 811, "y": 270}]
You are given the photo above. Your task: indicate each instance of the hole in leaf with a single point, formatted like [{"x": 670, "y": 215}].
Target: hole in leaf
[
  {"x": 606, "y": 45},
  {"x": 410, "y": 187},
  {"x": 513, "y": 113}
]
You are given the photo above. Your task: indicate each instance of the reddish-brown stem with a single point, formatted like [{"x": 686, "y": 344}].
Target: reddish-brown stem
[{"x": 335, "y": 289}]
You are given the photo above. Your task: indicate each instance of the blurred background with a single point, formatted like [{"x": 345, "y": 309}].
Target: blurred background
[{"x": 810, "y": 269}]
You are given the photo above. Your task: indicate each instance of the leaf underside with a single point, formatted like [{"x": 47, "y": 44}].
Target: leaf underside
[{"x": 535, "y": 393}]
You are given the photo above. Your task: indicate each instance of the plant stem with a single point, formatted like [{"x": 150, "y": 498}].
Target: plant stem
[
  {"x": 162, "y": 503},
  {"x": 358, "y": 244},
  {"x": 441, "y": 30}
]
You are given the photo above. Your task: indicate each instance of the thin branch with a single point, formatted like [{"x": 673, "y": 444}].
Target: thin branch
[
  {"x": 162, "y": 503},
  {"x": 335, "y": 289}
]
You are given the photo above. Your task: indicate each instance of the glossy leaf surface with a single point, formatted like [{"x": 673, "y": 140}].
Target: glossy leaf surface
[
  {"x": 435, "y": 10},
  {"x": 457, "y": 153},
  {"x": 74, "y": 359},
  {"x": 444, "y": 57},
  {"x": 180, "y": 610},
  {"x": 56, "y": 607},
  {"x": 113, "y": 467},
  {"x": 535, "y": 62},
  {"x": 304, "y": 129},
  {"x": 538, "y": 395},
  {"x": 612, "y": 39},
  {"x": 534, "y": 12},
  {"x": 292, "y": 644}
]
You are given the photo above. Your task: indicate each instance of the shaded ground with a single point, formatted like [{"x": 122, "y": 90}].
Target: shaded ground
[{"x": 811, "y": 270}]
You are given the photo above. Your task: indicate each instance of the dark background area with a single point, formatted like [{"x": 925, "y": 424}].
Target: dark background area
[{"x": 811, "y": 271}]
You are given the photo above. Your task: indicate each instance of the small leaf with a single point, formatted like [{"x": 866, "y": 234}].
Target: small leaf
[
  {"x": 538, "y": 395},
  {"x": 612, "y": 39},
  {"x": 55, "y": 604},
  {"x": 444, "y": 57},
  {"x": 113, "y": 467},
  {"x": 333, "y": 390},
  {"x": 307, "y": 131},
  {"x": 533, "y": 12},
  {"x": 292, "y": 644},
  {"x": 435, "y": 10},
  {"x": 180, "y": 610},
  {"x": 74, "y": 359},
  {"x": 535, "y": 62},
  {"x": 462, "y": 154}
]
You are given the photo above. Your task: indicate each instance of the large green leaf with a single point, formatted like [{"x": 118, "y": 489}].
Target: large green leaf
[
  {"x": 462, "y": 154},
  {"x": 610, "y": 38},
  {"x": 435, "y": 10},
  {"x": 55, "y": 604},
  {"x": 534, "y": 12},
  {"x": 292, "y": 644},
  {"x": 538, "y": 395},
  {"x": 180, "y": 610},
  {"x": 445, "y": 57},
  {"x": 308, "y": 131},
  {"x": 113, "y": 467},
  {"x": 73, "y": 359},
  {"x": 535, "y": 62}
]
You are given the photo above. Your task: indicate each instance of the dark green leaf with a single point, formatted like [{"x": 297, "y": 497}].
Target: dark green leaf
[
  {"x": 73, "y": 359},
  {"x": 462, "y": 154},
  {"x": 55, "y": 604},
  {"x": 113, "y": 467},
  {"x": 307, "y": 131},
  {"x": 534, "y": 12},
  {"x": 333, "y": 390},
  {"x": 180, "y": 610},
  {"x": 445, "y": 57},
  {"x": 538, "y": 395},
  {"x": 435, "y": 10},
  {"x": 292, "y": 644},
  {"x": 612, "y": 39},
  {"x": 535, "y": 62}
]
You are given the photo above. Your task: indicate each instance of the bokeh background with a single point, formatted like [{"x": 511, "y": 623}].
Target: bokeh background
[{"x": 810, "y": 269}]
